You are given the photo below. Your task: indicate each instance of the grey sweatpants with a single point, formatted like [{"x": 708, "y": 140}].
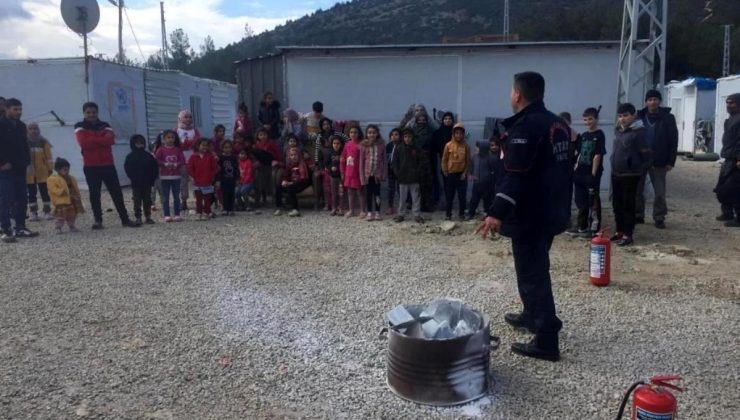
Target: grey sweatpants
[
  {"x": 658, "y": 180},
  {"x": 404, "y": 190}
]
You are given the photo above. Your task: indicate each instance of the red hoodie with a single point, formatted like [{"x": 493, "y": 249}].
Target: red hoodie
[
  {"x": 270, "y": 147},
  {"x": 95, "y": 140},
  {"x": 245, "y": 169},
  {"x": 203, "y": 169}
]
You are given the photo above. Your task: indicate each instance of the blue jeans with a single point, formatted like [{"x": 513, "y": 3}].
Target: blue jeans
[
  {"x": 12, "y": 200},
  {"x": 170, "y": 185}
]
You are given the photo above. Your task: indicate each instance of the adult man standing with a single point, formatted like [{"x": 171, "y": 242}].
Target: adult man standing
[
  {"x": 14, "y": 159},
  {"x": 531, "y": 206},
  {"x": 96, "y": 138},
  {"x": 728, "y": 186},
  {"x": 662, "y": 137}
]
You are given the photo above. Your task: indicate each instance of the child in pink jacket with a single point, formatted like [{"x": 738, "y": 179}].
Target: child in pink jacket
[
  {"x": 349, "y": 166},
  {"x": 372, "y": 170}
]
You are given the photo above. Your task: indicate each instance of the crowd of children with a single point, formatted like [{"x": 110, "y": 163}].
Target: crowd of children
[{"x": 347, "y": 168}]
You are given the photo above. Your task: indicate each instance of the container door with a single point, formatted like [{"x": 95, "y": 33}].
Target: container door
[
  {"x": 688, "y": 115},
  {"x": 162, "y": 93},
  {"x": 677, "y": 111},
  {"x": 222, "y": 107}
]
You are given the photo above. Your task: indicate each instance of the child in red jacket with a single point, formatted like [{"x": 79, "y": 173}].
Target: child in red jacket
[{"x": 202, "y": 168}]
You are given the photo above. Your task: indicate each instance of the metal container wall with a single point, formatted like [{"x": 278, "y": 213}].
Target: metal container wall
[
  {"x": 162, "y": 92},
  {"x": 440, "y": 372}
]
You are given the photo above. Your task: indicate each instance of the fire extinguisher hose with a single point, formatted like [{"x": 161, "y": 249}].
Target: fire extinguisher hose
[{"x": 627, "y": 397}]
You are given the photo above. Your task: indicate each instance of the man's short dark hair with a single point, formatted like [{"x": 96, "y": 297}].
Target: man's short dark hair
[
  {"x": 626, "y": 108},
  {"x": 219, "y": 127},
  {"x": 317, "y": 107},
  {"x": 87, "y": 105},
  {"x": 11, "y": 102},
  {"x": 531, "y": 85}
]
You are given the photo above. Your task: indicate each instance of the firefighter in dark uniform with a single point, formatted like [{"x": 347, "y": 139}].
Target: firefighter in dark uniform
[
  {"x": 728, "y": 186},
  {"x": 531, "y": 206}
]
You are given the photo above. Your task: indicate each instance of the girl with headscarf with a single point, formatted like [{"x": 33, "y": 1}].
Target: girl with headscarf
[
  {"x": 189, "y": 135},
  {"x": 439, "y": 139},
  {"x": 42, "y": 165}
]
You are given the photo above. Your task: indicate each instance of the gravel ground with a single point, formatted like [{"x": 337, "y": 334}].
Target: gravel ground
[{"x": 258, "y": 316}]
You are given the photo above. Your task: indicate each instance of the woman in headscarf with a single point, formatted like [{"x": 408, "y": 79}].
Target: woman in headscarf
[
  {"x": 439, "y": 139},
  {"x": 42, "y": 165},
  {"x": 188, "y": 134}
]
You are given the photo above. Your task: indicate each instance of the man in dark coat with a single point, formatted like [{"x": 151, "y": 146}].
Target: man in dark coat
[
  {"x": 662, "y": 137},
  {"x": 531, "y": 206},
  {"x": 728, "y": 186},
  {"x": 15, "y": 156}
]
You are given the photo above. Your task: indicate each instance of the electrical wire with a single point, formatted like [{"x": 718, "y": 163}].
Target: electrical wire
[{"x": 125, "y": 11}]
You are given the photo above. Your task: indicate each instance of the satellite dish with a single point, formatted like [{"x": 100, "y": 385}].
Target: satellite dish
[{"x": 82, "y": 16}]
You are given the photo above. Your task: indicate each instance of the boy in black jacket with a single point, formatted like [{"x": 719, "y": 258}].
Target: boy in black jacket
[
  {"x": 142, "y": 169},
  {"x": 228, "y": 176},
  {"x": 408, "y": 164},
  {"x": 486, "y": 170}
]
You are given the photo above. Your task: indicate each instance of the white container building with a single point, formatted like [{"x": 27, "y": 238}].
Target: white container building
[
  {"x": 377, "y": 83},
  {"x": 690, "y": 100},
  {"x": 726, "y": 86},
  {"x": 133, "y": 100}
]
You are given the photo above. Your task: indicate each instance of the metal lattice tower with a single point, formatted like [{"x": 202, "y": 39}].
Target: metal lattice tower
[
  {"x": 642, "y": 52},
  {"x": 726, "y": 52},
  {"x": 506, "y": 19}
]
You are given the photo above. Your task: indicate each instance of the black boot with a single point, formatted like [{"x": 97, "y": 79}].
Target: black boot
[
  {"x": 520, "y": 321},
  {"x": 543, "y": 347}
]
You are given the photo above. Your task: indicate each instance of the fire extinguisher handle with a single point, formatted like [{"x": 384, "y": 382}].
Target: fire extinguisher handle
[{"x": 665, "y": 380}]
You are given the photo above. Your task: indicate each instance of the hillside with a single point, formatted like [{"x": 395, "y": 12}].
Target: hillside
[{"x": 693, "y": 48}]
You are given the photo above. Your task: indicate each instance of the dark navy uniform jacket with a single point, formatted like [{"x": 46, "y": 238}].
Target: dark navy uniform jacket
[{"x": 534, "y": 193}]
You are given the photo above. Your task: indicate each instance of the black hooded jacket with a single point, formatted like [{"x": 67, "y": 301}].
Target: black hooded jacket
[
  {"x": 664, "y": 144},
  {"x": 14, "y": 145},
  {"x": 141, "y": 167},
  {"x": 441, "y": 136},
  {"x": 270, "y": 115}
]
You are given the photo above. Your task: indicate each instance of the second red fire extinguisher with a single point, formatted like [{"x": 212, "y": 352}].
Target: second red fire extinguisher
[
  {"x": 600, "y": 259},
  {"x": 652, "y": 400}
]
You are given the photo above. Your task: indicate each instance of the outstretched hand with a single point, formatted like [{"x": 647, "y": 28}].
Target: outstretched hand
[{"x": 490, "y": 224}]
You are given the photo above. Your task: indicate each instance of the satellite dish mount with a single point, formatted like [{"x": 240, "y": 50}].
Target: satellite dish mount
[{"x": 81, "y": 16}]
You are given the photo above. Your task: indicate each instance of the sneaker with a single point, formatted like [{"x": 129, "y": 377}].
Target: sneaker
[
  {"x": 97, "y": 226},
  {"x": 149, "y": 221},
  {"x": 277, "y": 212},
  {"x": 223, "y": 213},
  {"x": 294, "y": 213},
  {"x": 625, "y": 241},
  {"x": 24, "y": 233},
  {"x": 377, "y": 217},
  {"x": 7, "y": 237},
  {"x": 724, "y": 218},
  {"x": 586, "y": 233},
  {"x": 138, "y": 221},
  {"x": 58, "y": 230},
  {"x": 398, "y": 219},
  {"x": 733, "y": 223},
  {"x": 660, "y": 224},
  {"x": 419, "y": 219},
  {"x": 34, "y": 217},
  {"x": 370, "y": 217},
  {"x": 73, "y": 229},
  {"x": 167, "y": 219},
  {"x": 348, "y": 214},
  {"x": 362, "y": 215},
  {"x": 48, "y": 216},
  {"x": 177, "y": 219},
  {"x": 617, "y": 236}
]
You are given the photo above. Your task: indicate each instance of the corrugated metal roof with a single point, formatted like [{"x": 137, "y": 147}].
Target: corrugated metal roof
[{"x": 518, "y": 44}]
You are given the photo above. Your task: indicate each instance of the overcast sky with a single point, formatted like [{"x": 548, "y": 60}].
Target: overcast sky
[{"x": 34, "y": 28}]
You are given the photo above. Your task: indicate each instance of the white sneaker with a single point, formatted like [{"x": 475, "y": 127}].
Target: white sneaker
[
  {"x": 278, "y": 212},
  {"x": 294, "y": 213}
]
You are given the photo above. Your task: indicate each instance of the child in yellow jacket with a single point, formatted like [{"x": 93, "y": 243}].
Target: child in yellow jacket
[
  {"x": 65, "y": 195},
  {"x": 38, "y": 170},
  {"x": 455, "y": 165}
]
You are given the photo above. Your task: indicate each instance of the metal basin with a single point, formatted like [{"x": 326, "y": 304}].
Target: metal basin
[{"x": 440, "y": 372}]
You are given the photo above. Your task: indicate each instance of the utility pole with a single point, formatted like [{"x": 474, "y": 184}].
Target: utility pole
[
  {"x": 726, "y": 53},
  {"x": 165, "y": 52},
  {"x": 642, "y": 53},
  {"x": 119, "y": 4},
  {"x": 506, "y": 20}
]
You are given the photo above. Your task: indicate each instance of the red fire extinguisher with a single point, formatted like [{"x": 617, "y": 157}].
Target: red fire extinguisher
[
  {"x": 600, "y": 258},
  {"x": 652, "y": 400}
]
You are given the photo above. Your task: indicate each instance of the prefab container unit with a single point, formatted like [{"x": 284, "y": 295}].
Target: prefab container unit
[
  {"x": 690, "y": 101},
  {"x": 725, "y": 87},
  {"x": 376, "y": 84},
  {"x": 131, "y": 99}
]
